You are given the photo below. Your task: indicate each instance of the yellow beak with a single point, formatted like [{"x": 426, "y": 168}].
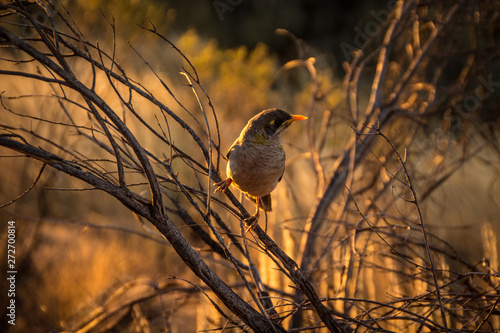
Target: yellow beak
[{"x": 296, "y": 117}]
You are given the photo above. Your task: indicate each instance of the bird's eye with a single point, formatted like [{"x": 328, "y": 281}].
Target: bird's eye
[{"x": 277, "y": 123}]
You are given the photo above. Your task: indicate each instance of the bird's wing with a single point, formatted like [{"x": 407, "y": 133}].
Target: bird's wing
[{"x": 234, "y": 146}]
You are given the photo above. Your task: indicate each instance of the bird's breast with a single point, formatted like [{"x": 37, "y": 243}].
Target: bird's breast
[{"x": 256, "y": 168}]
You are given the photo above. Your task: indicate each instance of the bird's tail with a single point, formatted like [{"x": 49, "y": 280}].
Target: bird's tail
[{"x": 265, "y": 202}]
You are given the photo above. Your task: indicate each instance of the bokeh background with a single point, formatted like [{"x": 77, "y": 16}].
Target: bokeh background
[{"x": 76, "y": 248}]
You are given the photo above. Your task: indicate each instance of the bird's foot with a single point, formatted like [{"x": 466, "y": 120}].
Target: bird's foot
[
  {"x": 223, "y": 185},
  {"x": 251, "y": 221}
]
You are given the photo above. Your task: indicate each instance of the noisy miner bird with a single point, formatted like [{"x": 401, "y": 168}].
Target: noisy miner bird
[{"x": 256, "y": 160}]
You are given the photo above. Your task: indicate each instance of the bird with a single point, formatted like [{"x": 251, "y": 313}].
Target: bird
[{"x": 256, "y": 159}]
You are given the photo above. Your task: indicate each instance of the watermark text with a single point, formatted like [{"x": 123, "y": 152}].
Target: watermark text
[{"x": 11, "y": 272}]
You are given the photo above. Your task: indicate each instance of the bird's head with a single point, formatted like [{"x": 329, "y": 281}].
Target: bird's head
[{"x": 273, "y": 122}]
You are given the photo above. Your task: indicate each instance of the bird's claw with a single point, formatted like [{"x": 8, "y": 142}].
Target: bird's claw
[
  {"x": 223, "y": 185},
  {"x": 251, "y": 222}
]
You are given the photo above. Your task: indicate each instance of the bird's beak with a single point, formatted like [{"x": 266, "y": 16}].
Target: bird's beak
[{"x": 296, "y": 117}]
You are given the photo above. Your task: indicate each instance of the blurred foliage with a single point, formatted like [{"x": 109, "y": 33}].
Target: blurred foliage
[
  {"x": 324, "y": 24},
  {"x": 237, "y": 78}
]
